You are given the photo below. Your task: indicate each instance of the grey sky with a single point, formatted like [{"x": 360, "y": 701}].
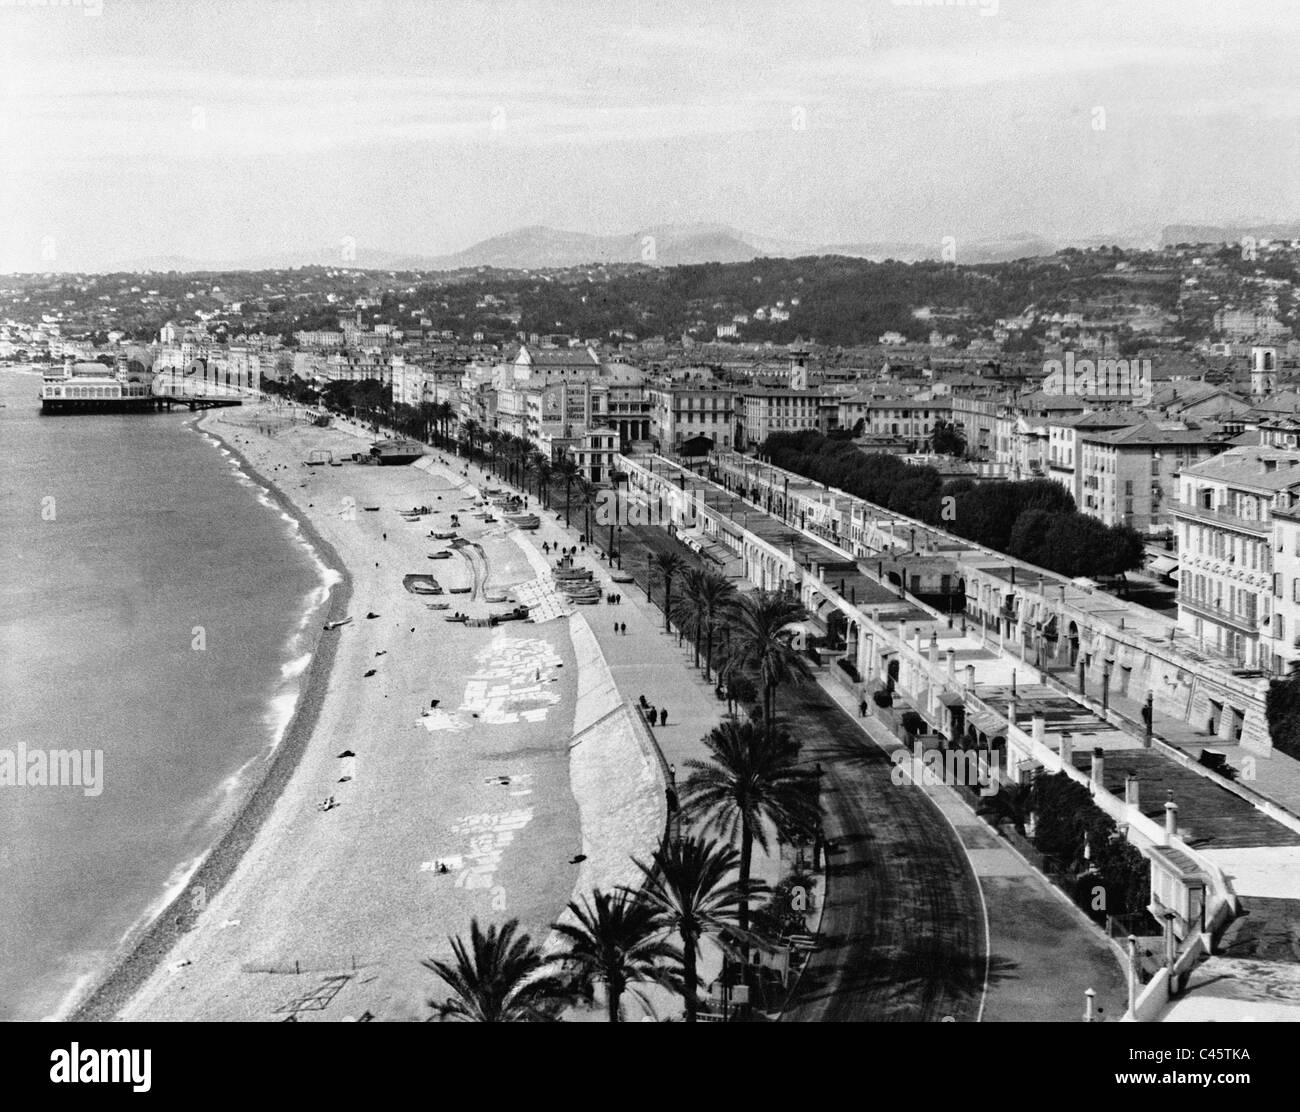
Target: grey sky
[{"x": 234, "y": 130}]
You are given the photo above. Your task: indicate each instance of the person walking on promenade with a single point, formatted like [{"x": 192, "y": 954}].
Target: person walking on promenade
[
  {"x": 862, "y": 708},
  {"x": 663, "y": 716}
]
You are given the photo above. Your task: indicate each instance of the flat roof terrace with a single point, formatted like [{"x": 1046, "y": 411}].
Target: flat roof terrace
[{"x": 1209, "y": 816}]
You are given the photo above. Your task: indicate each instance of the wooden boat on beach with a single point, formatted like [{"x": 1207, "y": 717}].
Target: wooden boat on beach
[
  {"x": 336, "y": 625},
  {"x": 421, "y": 585},
  {"x": 443, "y": 555},
  {"x": 460, "y": 590},
  {"x": 524, "y": 521}
]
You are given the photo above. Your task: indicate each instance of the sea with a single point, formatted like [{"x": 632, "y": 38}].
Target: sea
[{"x": 156, "y": 607}]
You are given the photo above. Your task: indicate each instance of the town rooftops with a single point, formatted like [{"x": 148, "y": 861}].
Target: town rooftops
[
  {"x": 1258, "y": 467},
  {"x": 1050, "y": 402},
  {"x": 1151, "y": 432},
  {"x": 558, "y": 357},
  {"x": 1099, "y": 419}
]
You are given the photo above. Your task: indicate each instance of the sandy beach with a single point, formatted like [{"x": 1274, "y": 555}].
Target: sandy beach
[{"x": 443, "y": 812}]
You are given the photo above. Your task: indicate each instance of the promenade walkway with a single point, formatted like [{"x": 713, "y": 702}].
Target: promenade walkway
[{"x": 643, "y": 661}]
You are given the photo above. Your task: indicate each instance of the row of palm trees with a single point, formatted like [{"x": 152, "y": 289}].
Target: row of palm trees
[
  {"x": 759, "y": 628},
  {"x": 695, "y": 888}
]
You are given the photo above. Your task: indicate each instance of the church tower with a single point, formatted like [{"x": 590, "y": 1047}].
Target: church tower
[
  {"x": 798, "y": 368},
  {"x": 1263, "y": 371}
]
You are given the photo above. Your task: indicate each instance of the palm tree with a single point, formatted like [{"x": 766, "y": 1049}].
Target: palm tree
[
  {"x": 473, "y": 432},
  {"x": 618, "y": 940},
  {"x": 526, "y": 465},
  {"x": 507, "y": 449},
  {"x": 568, "y": 471},
  {"x": 501, "y": 977},
  {"x": 752, "y": 780},
  {"x": 717, "y": 596},
  {"x": 496, "y": 439},
  {"x": 443, "y": 413},
  {"x": 586, "y": 492},
  {"x": 544, "y": 469},
  {"x": 690, "y": 883},
  {"x": 763, "y": 642},
  {"x": 688, "y": 614},
  {"x": 667, "y": 565}
]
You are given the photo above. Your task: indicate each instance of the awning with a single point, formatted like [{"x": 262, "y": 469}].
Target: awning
[
  {"x": 691, "y": 538},
  {"x": 1163, "y": 565}
]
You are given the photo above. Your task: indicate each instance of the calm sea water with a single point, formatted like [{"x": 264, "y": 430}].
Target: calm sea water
[{"x": 153, "y": 606}]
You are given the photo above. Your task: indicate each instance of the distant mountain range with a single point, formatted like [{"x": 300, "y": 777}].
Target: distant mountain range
[
  {"x": 1227, "y": 233},
  {"x": 539, "y": 247}
]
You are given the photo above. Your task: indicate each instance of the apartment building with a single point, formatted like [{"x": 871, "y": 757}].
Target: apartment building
[
  {"x": 1282, "y": 642},
  {"x": 1063, "y": 449},
  {"x": 681, "y": 413},
  {"x": 976, "y": 419},
  {"x": 595, "y": 453},
  {"x": 1129, "y": 476},
  {"x": 911, "y": 418},
  {"x": 761, "y": 411},
  {"x": 1226, "y": 544}
]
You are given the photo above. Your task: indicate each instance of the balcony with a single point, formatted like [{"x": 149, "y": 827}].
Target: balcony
[
  {"x": 1244, "y": 623},
  {"x": 1219, "y": 517}
]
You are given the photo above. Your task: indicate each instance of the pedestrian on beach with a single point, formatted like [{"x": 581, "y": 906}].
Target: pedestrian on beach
[
  {"x": 663, "y": 716},
  {"x": 625, "y": 629},
  {"x": 862, "y": 708}
]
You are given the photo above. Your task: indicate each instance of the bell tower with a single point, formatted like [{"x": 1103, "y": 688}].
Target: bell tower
[
  {"x": 799, "y": 368},
  {"x": 1263, "y": 371}
]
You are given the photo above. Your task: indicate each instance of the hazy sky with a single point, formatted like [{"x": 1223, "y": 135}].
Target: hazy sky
[{"x": 228, "y": 130}]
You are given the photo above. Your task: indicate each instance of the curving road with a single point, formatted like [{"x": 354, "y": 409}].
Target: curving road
[{"x": 902, "y": 933}]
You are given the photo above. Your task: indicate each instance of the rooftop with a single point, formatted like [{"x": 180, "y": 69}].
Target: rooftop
[{"x": 1260, "y": 468}]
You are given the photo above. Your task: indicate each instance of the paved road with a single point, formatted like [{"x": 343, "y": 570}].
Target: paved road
[{"x": 902, "y": 931}]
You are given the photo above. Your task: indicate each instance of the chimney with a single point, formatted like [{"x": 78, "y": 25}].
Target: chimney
[
  {"x": 1067, "y": 750},
  {"x": 952, "y": 663},
  {"x": 1131, "y": 794},
  {"x": 1039, "y": 728},
  {"x": 970, "y": 677},
  {"x": 1171, "y": 819},
  {"x": 1011, "y": 712},
  {"x": 1098, "y": 766}
]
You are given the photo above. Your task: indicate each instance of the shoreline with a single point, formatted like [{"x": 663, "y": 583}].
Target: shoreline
[{"x": 140, "y": 957}]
